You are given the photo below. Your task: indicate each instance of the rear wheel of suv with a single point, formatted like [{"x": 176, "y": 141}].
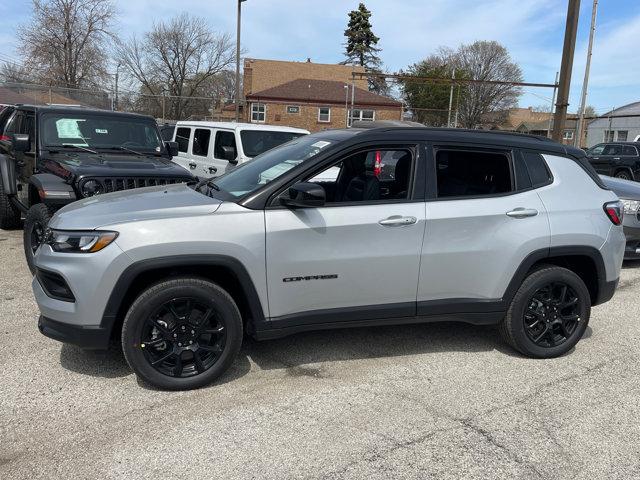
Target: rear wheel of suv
[
  {"x": 624, "y": 175},
  {"x": 548, "y": 314},
  {"x": 34, "y": 234},
  {"x": 9, "y": 214},
  {"x": 182, "y": 333}
]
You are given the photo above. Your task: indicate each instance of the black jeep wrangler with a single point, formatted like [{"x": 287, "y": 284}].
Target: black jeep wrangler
[{"x": 58, "y": 154}]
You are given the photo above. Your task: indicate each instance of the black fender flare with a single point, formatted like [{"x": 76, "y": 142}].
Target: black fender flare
[
  {"x": 52, "y": 189},
  {"x": 539, "y": 256},
  {"x": 128, "y": 276},
  {"x": 8, "y": 174}
]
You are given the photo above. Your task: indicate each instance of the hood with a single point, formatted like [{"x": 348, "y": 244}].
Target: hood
[
  {"x": 108, "y": 164},
  {"x": 132, "y": 206},
  {"x": 622, "y": 188}
]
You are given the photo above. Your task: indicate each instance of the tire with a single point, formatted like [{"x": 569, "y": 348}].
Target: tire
[
  {"x": 153, "y": 331},
  {"x": 35, "y": 226},
  {"x": 527, "y": 316},
  {"x": 624, "y": 175},
  {"x": 9, "y": 214}
]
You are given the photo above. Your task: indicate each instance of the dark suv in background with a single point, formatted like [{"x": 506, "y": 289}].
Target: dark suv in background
[
  {"x": 58, "y": 154},
  {"x": 618, "y": 159}
]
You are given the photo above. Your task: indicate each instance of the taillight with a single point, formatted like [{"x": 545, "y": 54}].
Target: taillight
[
  {"x": 5, "y": 138},
  {"x": 377, "y": 166},
  {"x": 614, "y": 211}
]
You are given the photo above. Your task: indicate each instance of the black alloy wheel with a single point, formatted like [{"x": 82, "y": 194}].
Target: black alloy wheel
[
  {"x": 548, "y": 314},
  {"x": 182, "y": 333},
  {"x": 184, "y": 337},
  {"x": 552, "y": 316}
]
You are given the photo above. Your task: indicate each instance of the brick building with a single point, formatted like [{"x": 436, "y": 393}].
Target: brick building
[{"x": 310, "y": 95}]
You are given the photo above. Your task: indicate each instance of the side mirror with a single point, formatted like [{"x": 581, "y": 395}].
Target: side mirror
[
  {"x": 172, "y": 148},
  {"x": 20, "y": 142},
  {"x": 229, "y": 154},
  {"x": 305, "y": 194}
]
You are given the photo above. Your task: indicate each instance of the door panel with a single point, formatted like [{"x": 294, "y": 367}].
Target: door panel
[
  {"x": 472, "y": 248},
  {"x": 363, "y": 262}
]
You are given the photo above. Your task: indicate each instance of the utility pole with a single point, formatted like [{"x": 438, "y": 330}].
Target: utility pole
[
  {"x": 238, "y": 61},
  {"x": 346, "y": 106},
  {"x": 553, "y": 101},
  {"x": 453, "y": 77},
  {"x": 585, "y": 83},
  {"x": 571, "y": 30}
]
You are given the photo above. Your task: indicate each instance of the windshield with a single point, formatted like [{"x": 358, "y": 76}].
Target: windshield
[
  {"x": 270, "y": 165},
  {"x": 255, "y": 142},
  {"x": 100, "y": 131}
]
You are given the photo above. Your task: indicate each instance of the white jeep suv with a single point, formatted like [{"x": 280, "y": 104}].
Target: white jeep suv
[{"x": 479, "y": 227}]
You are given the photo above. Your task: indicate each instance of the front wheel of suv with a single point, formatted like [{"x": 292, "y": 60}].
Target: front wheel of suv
[
  {"x": 548, "y": 314},
  {"x": 34, "y": 234},
  {"x": 182, "y": 333}
]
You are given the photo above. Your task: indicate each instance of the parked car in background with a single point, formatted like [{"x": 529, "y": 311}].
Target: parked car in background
[
  {"x": 167, "y": 131},
  {"x": 479, "y": 227},
  {"x": 619, "y": 159},
  {"x": 60, "y": 154},
  {"x": 208, "y": 149},
  {"x": 629, "y": 194}
]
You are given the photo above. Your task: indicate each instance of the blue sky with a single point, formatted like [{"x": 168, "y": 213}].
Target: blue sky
[{"x": 410, "y": 30}]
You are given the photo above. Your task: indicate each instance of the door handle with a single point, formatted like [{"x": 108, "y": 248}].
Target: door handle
[
  {"x": 397, "y": 221},
  {"x": 522, "y": 213},
  {"x": 192, "y": 166},
  {"x": 212, "y": 170},
  {"x": 616, "y": 158}
]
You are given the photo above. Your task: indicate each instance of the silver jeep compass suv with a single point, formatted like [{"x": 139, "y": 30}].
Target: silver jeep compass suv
[{"x": 337, "y": 229}]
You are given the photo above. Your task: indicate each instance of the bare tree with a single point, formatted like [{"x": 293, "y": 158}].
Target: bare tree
[
  {"x": 65, "y": 41},
  {"x": 177, "y": 59},
  {"x": 486, "y": 60},
  {"x": 14, "y": 73}
]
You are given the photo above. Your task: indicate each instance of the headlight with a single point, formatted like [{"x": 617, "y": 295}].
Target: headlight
[
  {"x": 80, "y": 242},
  {"x": 630, "y": 206},
  {"x": 91, "y": 188}
]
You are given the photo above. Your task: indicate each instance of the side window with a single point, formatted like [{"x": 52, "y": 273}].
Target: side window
[
  {"x": 612, "y": 150},
  {"x": 537, "y": 168},
  {"x": 367, "y": 176},
  {"x": 10, "y": 127},
  {"x": 258, "y": 112},
  {"x": 467, "y": 173},
  {"x": 224, "y": 139},
  {"x": 324, "y": 114},
  {"x": 597, "y": 150},
  {"x": 201, "y": 139},
  {"x": 182, "y": 137},
  {"x": 629, "y": 151}
]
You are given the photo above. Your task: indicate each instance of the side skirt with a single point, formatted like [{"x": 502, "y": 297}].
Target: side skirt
[{"x": 473, "y": 312}]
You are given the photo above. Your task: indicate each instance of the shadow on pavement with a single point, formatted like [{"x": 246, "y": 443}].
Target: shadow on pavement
[{"x": 294, "y": 352}]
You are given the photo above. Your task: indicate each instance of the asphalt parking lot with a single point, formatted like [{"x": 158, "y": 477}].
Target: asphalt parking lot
[{"x": 426, "y": 401}]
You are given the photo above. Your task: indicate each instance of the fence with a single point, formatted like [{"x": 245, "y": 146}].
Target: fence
[{"x": 162, "y": 107}]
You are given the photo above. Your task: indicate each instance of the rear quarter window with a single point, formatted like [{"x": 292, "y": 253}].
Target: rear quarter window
[{"x": 537, "y": 169}]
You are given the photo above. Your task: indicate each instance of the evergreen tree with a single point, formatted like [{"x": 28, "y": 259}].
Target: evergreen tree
[{"x": 361, "y": 47}]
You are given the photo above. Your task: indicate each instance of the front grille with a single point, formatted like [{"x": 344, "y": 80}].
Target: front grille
[{"x": 117, "y": 184}]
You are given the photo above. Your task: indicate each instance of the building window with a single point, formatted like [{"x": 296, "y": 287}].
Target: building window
[
  {"x": 608, "y": 135},
  {"x": 361, "y": 115},
  {"x": 568, "y": 135},
  {"x": 622, "y": 135},
  {"x": 293, "y": 109},
  {"x": 258, "y": 112},
  {"x": 324, "y": 114}
]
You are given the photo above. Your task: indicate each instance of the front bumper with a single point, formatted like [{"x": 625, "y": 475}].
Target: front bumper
[
  {"x": 87, "y": 337},
  {"x": 91, "y": 279},
  {"x": 632, "y": 235}
]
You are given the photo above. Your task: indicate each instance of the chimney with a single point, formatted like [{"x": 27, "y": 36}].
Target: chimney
[{"x": 308, "y": 59}]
